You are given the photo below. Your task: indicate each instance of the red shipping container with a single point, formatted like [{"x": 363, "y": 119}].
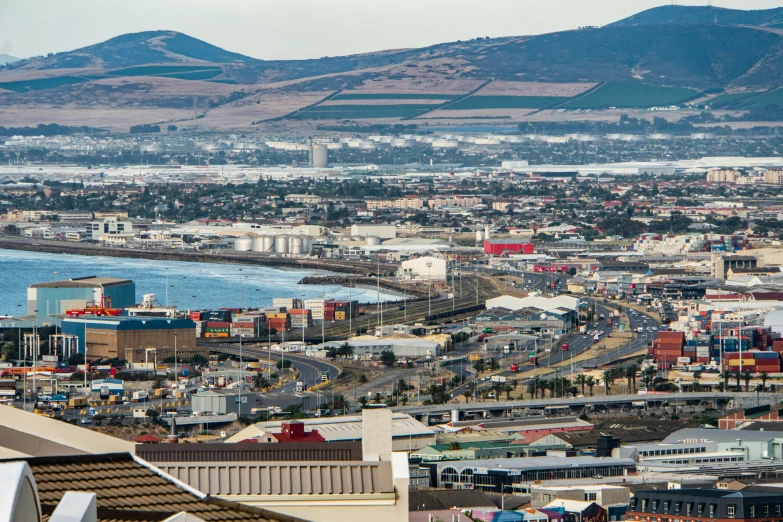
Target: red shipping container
[
  {"x": 218, "y": 324},
  {"x": 195, "y": 316},
  {"x": 702, "y": 359}
]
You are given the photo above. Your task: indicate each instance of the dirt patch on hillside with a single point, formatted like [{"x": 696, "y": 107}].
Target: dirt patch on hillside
[{"x": 508, "y": 88}]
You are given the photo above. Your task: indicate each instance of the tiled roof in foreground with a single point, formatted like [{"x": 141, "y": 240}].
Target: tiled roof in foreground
[{"x": 127, "y": 489}]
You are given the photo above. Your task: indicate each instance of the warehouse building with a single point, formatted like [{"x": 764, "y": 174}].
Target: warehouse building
[
  {"x": 381, "y": 231},
  {"x": 516, "y": 473},
  {"x": 128, "y": 337},
  {"x": 58, "y": 296},
  {"x": 426, "y": 268},
  {"x": 706, "y": 504},
  {"x": 407, "y": 433},
  {"x": 499, "y": 247}
]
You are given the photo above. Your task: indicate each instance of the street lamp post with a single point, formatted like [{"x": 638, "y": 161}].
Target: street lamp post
[
  {"x": 176, "y": 372},
  {"x": 429, "y": 288}
]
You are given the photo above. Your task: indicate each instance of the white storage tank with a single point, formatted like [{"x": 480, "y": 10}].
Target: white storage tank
[
  {"x": 295, "y": 245},
  {"x": 373, "y": 241},
  {"x": 479, "y": 236},
  {"x": 307, "y": 244},
  {"x": 243, "y": 244},
  {"x": 281, "y": 244},
  {"x": 269, "y": 243},
  {"x": 258, "y": 244}
]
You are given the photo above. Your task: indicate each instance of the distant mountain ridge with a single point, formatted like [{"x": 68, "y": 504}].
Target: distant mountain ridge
[
  {"x": 7, "y": 58},
  {"x": 133, "y": 49},
  {"x": 702, "y": 15}
]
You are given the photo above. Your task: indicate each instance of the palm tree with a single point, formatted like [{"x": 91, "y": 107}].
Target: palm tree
[
  {"x": 401, "y": 387},
  {"x": 581, "y": 380},
  {"x": 738, "y": 376},
  {"x": 467, "y": 394},
  {"x": 507, "y": 389},
  {"x": 746, "y": 376},
  {"x": 634, "y": 369},
  {"x": 590, "y": 383},
  {"x": 764, "y": 376},
  {"x": 377, "y": 398},
  {"x": 608, "y": 376},
  {"x": 497, "y": 389},
  {"x": 345, "y": 350},
  {"x": 534, "y": 386},
  {"x": 363, "y": 401},
  {"x": 455, "y": 446}
]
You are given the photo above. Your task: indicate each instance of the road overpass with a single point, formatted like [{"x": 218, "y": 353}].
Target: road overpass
[{"x": 577, "y": 405}]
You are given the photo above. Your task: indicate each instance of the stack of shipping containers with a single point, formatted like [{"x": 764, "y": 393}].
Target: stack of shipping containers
[
  {"x": 278, "y": 320},
  {"x": 300, "y": 318},
  {"x": 345, "y": 309},
  {"x": 703, "y": 347},
  {"x": 247, "y": 324},
  {"x": 668, "y": 348},
  {"x": 753, "y": 361}
]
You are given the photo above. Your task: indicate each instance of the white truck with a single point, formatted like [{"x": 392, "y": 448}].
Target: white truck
[
  {"x": 300, "y": 386},
  {"x": 140, "y": 396}
]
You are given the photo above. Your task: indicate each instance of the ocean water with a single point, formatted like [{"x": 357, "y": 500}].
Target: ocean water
[{"x": 197, "y": 285}]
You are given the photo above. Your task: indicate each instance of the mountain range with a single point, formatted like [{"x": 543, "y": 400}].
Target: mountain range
[{"x": 668, "y": 55}]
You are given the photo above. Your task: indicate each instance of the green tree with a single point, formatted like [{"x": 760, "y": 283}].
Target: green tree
[{"x": 388, "y": 358}]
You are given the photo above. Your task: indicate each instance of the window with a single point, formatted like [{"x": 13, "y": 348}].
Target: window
[
  {"x": 665, "y": 506},
  {"x": 712, "y": 510},
  {"x": 699, "y": 508},
  {"x": 466, "y": 476},
  {"x": 777, "y": 510},
  {"x": 644, "y": 504},
  {"x": 449, "y": 475},
  {"x": 688, "y": 508},
  {"x": 655, "y": 505},
  {"x": 591, "y": 496},
  {"x": 677, "y": 506},
  {"x": 752, "y": 511},
  {"x": 730, "y": 510}
]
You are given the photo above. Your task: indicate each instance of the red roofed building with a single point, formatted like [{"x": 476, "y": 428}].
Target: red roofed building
[
  {"x": 294, "y": 431},
  {"x": 498, "y": 247}
]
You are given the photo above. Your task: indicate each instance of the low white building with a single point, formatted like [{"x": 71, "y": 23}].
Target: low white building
[
  {"x": 426, "y": 268},
  {"x": 381, "y": 231},
  {"x": 533, "y": 301}
]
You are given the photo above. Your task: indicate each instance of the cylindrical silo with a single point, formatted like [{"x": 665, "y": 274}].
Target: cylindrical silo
[
  {"x": 269, "y": 243},
  {"x": 281, "y": 244},
  {"x": 320, "y": 156},
  {"x": 258, "y": 244},
  {"x": 243, "y": 244},
  {"x": 307, "y": 244},
  {"x": 295, "y": 245},
  {"x": 479, "y": 236},
  {"x": 373, "y": 241}
]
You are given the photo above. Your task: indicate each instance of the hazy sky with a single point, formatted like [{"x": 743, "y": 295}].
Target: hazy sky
[{"x": 290, "y": 29}]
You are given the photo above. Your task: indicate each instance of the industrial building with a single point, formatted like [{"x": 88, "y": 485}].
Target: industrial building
[
  {"x": 54, "y": 298},
  {"x": 381, "y": 231},
  {"x": 110, "y": 230},
  {"x": 402, "y": 347},
  {"x": 706, "y": 504},
  {"x": 407, "y": 433},
  {"x": 499, "y": 247},
  {"x": 426, "y": 268},
  {"x": 128, "y": 338},
  {"x": 515, "y": 474}
]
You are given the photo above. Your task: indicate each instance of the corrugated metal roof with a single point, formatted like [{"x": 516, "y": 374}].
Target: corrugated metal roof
[
  {"x": 129, "y": 490},
  {"x": 220, "y": 452},
  {"x": 302, "y": 478}
]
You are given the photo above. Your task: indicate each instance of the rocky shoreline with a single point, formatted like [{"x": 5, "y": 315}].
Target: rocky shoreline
[
  {"x": 83, "y": 249},
  {"x": 418, "y": 291}
]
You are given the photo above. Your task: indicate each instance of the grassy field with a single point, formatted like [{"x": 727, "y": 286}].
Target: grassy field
[
  {"x": 397, "y": 96},
  {"x": 505, "y": 102},
  {"x": 41, "y": 84},
  {"x": 347, "y": 112},
  {"x": 771, "y": 98},
  {"x": 153, "y": 70},
  {"x": 727, "y": 100},
  {"x": 630, "y": 95},
  {"x": 206, "y": 74}
]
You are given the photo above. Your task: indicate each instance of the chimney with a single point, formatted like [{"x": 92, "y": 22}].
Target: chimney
[
  {"x": 295, "y": 429},
  {"x": 173, "y": 438},
  {"x": 377, "y": 434}
]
